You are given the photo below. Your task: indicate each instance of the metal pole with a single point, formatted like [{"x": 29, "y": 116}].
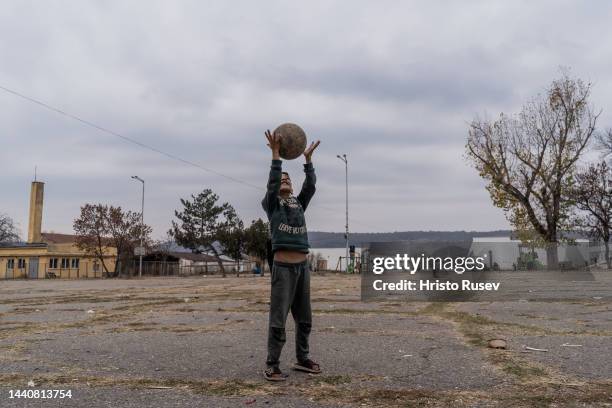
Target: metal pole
[
  {"x": 347, "y": 219},
  {"x": 346, "y": 234},
  {"x": 141, "y": 230},
  {"x": 141, "y": 225}
]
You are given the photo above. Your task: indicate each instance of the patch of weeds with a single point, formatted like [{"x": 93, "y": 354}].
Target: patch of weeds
[
  {"x": 184, "y": 330},
  {"x": 158, "y": 302},
  {"x": 228, "y": 388},
  {"x": 403, "y": 397},
  {"x": 335, "y": 300},
  {"x": 17, "y": 347},
  {"x": 589, "y": 394},
  {"x": 331, "y": 379},
  {"x": 362, "y": 311},
  {"x": 535, "y": 401},
  {"x": 434, "y": 308},
  {"x": 218, "y": 387},
  {"x": 528, "y": 315},
  {"x": 242, "y": 309},
  {"x": 521, "y": 371},
  {"x": 139, "y": 324},
  {"x": 519, "y": 368},
  {"x": 185, "y": 310}
]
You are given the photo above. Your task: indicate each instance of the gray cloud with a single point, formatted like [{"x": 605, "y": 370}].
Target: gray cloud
[{"x": 392, "y": 84}]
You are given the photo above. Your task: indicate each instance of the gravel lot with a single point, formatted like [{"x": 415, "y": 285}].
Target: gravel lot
[{"x": 198, "y": 342}]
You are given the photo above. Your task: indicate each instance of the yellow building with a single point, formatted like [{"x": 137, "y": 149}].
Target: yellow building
[{"x": 47, "y": 255}]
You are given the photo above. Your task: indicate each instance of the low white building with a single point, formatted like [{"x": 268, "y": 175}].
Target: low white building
[{"x": 504, "y": 252}]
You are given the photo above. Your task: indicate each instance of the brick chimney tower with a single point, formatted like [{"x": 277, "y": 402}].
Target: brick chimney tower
[{"x": 36, "y": 209}]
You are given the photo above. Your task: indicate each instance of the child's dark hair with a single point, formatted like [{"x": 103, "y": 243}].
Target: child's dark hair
[{"x": 284, "y": 172}]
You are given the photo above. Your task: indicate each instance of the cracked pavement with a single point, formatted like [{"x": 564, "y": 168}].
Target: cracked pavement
[{"x": 192, "y": 342}]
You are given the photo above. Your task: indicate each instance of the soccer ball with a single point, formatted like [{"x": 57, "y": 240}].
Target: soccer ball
[{"x": 292, "y": 140}]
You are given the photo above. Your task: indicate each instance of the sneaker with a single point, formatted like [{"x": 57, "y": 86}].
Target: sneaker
[{"x": 274, "y": 374}]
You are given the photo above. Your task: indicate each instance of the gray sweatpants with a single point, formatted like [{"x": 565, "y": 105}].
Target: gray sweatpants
[{"x": 290, "y": 290}]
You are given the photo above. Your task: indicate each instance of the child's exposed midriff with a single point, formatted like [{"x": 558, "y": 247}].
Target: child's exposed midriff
[{"x": 283, "y": 255}]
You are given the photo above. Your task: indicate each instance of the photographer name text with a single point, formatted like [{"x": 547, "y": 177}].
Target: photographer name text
[{"x": 437, "y": 285}]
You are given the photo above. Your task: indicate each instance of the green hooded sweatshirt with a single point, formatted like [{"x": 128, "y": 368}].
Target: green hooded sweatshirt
[{"x": 286, "y": 215}]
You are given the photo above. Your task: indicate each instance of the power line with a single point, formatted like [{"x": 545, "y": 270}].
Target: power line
[
  {"x": 126, "y": 138},
  {"x": 140, "y": 144}
]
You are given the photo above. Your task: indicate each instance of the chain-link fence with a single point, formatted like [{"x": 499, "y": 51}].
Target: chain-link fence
[
  {"x": 131, "y": 268},
  {"x": 161, "y": 268}
]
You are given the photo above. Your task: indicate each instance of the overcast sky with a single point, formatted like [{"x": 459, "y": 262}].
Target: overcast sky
[{"x": 391, "y": 84}]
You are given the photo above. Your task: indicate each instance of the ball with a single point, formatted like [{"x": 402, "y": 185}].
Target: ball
[{"x": 292, "y": 140}]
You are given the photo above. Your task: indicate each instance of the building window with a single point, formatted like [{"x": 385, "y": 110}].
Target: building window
[
  {"x": 10, "y": 264},
  {"x": 96, "y": 266},
  {"x": 21, "y": 263},
  {"x": 65, "y": 263},
  {"x": 74, "y": 263},
  {"x": 53, "y": 263}
]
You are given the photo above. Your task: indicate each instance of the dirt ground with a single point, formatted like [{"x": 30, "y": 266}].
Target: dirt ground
[{"x": 198, "y": 342}]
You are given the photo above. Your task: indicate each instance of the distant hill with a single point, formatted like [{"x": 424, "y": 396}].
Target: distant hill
[{"x": 320, "y": 239}]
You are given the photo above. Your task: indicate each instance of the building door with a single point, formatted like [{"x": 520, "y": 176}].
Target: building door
[{"x": 33, "y": 268}]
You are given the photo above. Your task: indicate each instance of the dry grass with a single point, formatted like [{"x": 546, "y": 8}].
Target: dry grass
[
  {"x": 526, "y": 384},
  {"x": 338, "y": 389}
]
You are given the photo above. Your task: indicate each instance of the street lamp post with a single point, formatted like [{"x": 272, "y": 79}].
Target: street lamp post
[
  {"x": 141, "y": 225},
  {"x": 346, "y": 234}
]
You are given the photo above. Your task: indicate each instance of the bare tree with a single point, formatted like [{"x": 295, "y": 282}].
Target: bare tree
[
  {"x": 604, "y": 142},
  {"x": 529, "y": 159},
  {"x": 8, "y": 230},
  {"x": 593, "y": 197},
  {"x": 91, "y": 231},
  {"x": 125, "y": 230},
  {"x": 100, "y": 227}
]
